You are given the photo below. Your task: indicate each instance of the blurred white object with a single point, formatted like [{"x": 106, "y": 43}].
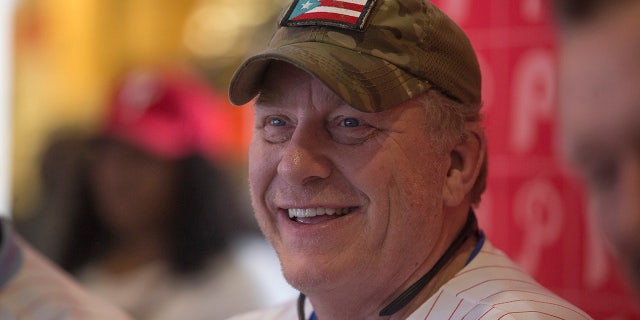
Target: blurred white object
[
  {"x": 260, "y": 262},
  {"x": 6, "y": 27}
]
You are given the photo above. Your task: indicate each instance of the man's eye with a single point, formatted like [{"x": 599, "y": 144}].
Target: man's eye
[
  {"x": 350, "y": 122},
  {"x": 276, "y": 128},
  {"x": 351, "y": 131},
  {"x": 277, "y": 122}
]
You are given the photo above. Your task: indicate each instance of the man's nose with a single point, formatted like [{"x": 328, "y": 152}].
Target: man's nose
[{"x": 304, "y": 158}]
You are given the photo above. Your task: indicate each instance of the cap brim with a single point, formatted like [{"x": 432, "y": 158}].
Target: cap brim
[{"x": 365, "y": 82}]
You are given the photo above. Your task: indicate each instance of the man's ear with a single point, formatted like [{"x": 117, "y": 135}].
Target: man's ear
[{"x": 466, "y": 162}]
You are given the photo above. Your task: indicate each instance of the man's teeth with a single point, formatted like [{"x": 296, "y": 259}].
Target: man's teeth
[{"x": 312, "y": 212}]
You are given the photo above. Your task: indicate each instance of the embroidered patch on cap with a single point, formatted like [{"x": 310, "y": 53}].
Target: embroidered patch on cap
[{"x": 349, "y": 14}]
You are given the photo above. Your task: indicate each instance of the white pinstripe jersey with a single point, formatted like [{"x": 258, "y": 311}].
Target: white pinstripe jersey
[{"x": 490, "y": 287}]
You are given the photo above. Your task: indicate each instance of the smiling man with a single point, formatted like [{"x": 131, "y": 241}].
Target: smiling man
[{"x": 367, "y": 158}]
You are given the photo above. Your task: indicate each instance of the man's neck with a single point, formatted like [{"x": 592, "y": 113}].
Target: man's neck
[
  {"x": 449, "y": 271},
  {"x": 336, "y": 307}
]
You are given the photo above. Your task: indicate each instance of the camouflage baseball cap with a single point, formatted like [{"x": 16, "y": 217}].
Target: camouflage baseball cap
[{"x": 374, "y": 54}]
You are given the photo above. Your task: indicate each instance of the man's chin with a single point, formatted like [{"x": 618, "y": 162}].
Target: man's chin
[
  {"x": 305, "y": 283},
  {"x": 307, "y": 278}
]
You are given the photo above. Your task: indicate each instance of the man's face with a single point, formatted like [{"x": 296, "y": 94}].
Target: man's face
[
  {"x": 373, "y": 181},
  {"x": 601, "y": 124}
]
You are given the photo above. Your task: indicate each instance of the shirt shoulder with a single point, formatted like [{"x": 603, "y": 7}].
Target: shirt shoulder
[
  {"x": 39, "y": 287},
  {"x": 492, "y": 286}
]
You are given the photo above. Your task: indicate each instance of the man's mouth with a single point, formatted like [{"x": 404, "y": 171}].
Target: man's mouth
[{"x": 316, "y": 215}]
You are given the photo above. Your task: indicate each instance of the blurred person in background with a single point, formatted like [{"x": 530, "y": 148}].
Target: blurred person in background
[
  {"x": 156, "y": 214},
  {"x": 600, "y": 115}
]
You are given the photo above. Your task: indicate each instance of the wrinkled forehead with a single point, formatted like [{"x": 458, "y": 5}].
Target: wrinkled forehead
[{"x": 286, "y": 83}]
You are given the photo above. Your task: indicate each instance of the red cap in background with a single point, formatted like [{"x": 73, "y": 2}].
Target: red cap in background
[{"x": 169, "y": 113}]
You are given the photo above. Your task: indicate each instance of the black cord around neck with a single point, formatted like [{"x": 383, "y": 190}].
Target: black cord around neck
[
  {"x": 470, "y": 227},
  {"x": 301, "y": 298}
]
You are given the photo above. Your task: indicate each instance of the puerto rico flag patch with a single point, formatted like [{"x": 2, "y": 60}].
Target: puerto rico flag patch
[{"x": 349, "y": 14}]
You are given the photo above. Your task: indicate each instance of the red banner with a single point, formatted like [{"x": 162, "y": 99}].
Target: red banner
[{"x": 534, "y": 209}]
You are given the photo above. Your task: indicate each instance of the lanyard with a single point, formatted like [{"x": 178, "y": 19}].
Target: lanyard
[{"x": 470, "y": 228}]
